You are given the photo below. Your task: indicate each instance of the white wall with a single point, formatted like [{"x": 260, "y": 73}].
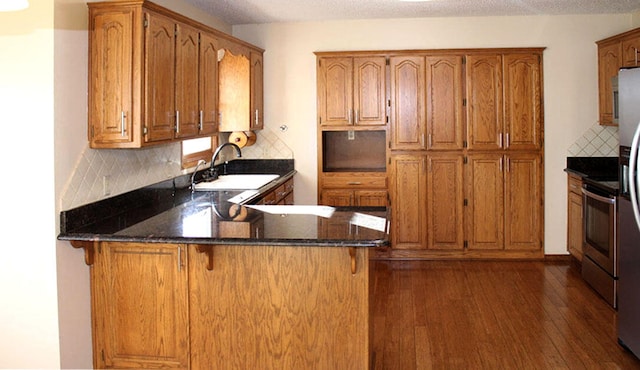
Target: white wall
[
  {"x": 28, "y": 312},
  {"x": 570, "y": 79}
]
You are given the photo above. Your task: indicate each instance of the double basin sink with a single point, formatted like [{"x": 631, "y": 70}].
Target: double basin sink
[{"x": 237, "y": 182}]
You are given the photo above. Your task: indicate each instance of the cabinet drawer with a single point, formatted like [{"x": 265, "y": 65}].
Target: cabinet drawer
[
  {"x": 575, "y": 184},
  {"x": 376, "y": 182}
]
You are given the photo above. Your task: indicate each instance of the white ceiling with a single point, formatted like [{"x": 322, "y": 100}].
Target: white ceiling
[{"x": 272, "y": 11}]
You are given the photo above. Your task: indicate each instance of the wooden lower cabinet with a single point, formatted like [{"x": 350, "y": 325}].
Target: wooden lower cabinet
[
  {"x": 427, "y": 202},
  {"x": 358, "y": 198},
  {"x": 179, "y": 306},
  {"x": 452, "y": 204},
  {"x": 574, "y": 217},
  {"x": 140, "y": 306},
  {"x": 347, "y": 189}
]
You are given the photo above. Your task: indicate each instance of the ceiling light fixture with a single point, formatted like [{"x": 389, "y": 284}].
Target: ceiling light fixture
[{"x": 13, "y": 5}]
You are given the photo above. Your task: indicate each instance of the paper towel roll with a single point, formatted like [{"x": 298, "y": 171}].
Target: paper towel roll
[{"x": 242, "y": 139}]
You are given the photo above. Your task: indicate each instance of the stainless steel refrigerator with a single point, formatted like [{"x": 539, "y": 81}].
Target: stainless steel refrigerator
[{"x": 627, "y": 104}]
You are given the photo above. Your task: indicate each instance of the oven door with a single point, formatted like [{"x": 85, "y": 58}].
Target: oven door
[{"x": 600, "y": 229}]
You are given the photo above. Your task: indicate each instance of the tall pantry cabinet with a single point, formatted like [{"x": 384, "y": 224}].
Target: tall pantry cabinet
[{"x": 464, "y": 153}]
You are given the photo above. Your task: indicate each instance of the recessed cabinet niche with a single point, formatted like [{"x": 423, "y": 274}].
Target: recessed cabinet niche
[{"x": 153, "y": 75}]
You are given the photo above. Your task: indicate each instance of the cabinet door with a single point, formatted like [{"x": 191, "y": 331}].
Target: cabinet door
[
  {"x": 111, "y": 113},
  {"x": 159, "y": 79},
  {"x": 370, "y": 198},
  {"x": 574, "y": 233},
  {"x": 335, "y": 91},
  {"x": 609, "y": 62},
  {"x": 208, "y": 84},
  {"x": 522, "y": 106},
  {"x": 337, "y": 198},
  {"x": 523, "y": 206},
  {"x": 484, "y": 101},
  {"x": 630, "y": 47},
  {"x": 485, "y": 201},
  {"x": 444, "y": 102},
  {"x": 257, "y": 88},
  {"x": 187, "y": 81},
  {"x": 369, "y": 91},
  {"x": 408, "y": 202},
  {"x": 140, "y": 306},
  {"x": 234, "y": 89},
  {"x": 445, "y": 201},
  {"x": 407, "y": 117}
]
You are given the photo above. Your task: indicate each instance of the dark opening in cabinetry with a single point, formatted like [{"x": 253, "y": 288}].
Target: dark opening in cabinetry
[{"x": 353, "y": 151}]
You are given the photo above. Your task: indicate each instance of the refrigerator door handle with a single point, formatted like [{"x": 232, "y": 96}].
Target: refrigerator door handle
[{"x": 634, "y": 181}]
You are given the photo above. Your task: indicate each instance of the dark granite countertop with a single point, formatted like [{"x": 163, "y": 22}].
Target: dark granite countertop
[
  {"x": 601, "y": 172},
  {"x": 168, "y": 212}
]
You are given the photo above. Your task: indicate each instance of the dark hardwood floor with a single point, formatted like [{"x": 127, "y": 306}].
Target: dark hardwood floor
[{"x": 491, "y": 315}]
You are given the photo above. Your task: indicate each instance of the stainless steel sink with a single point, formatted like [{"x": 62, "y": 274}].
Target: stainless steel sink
[{"x": 237, "y": 182}]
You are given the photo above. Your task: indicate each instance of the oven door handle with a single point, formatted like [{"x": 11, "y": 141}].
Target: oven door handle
[{"x": 598, "y": 197}]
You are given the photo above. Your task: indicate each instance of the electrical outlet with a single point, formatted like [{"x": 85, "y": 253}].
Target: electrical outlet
[
  {"x": 106, "y": 185},
  {"x": 351, "y": 135}
]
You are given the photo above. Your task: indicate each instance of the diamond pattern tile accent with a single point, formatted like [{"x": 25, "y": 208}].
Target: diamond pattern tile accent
[
  {"x": 130, "y": 169},
  {"x": 598, "y": 141}
]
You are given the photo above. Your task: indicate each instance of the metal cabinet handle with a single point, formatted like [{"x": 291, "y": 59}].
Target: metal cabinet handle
[
  {"x": 200, "y": 123},
  {"x": 177, "y": 121},
  {"x": 506, "y": 140},
  {"x": 500, "y": 140},
  {"x": 349, "y": 116},
  {"x": 354, "y": 183},
  {"x": 123, "y": 124},
  {"x": 430, "y": 141},
  {"x": 357, "y": 116},
  {"x": 256, "y": 119}
]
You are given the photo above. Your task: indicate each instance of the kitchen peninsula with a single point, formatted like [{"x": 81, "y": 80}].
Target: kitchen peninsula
[{"x": 219, "y": 279}]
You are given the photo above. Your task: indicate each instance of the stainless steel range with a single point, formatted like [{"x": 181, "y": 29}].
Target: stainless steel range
[{"x": 600, "y": 265}]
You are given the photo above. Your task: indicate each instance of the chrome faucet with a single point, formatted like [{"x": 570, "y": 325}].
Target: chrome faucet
[
  {"x": 193, "y": 176},
  {"x": 217, "y": 152}
]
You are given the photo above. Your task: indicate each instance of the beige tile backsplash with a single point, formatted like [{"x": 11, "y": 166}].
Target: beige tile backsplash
[
  {"x": 597, "y": 141},
  {"x": 103, "y": 173}
]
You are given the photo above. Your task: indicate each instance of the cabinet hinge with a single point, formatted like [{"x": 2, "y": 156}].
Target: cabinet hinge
[
  {"x": 145, "y": 23},
  {"x": 464, "y": 59},
  {"x": 319, "y": 120},
  {"x": 145, "y": 130},
  {"x": 387, "y": 61},
  {"x": 389, "y": 144},
  {"x": 102, "y": 355},
  {"x": 465, "y": 244},
  {"x": 465, "y": 160},
  {"x": 465, "y": 202},
  {"x": 464, "y": 102},
  {"x": 464, "y": 143}
]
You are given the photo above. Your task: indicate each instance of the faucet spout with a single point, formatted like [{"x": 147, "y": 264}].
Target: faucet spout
[
  {"x": 193, "y": 176},
  {"x": 217, "y": 152}
]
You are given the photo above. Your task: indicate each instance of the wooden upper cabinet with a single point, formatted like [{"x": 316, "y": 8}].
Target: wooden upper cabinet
[
  {"x": 614, "y": 53},
  {"x": 369, "y": 91},
  {"x": 187, "y": 81},
  {"x": 630, "y": 51},
  {"x": 484, "y": 101},
  {"x": 153, "y": 75},
  {"x": 445, "y": 128},
  {"x": 159, "y": 77},
  {"x": 240, "y": 88},
  {"x": 140, "y": 325},
  {"x": 208, "y": 70},
  {"x": 257, "y": 91},
  {"x": 351, "y": 91},
  {"x": 234, "y": 90},
  {"x": 112, "y": 90},
  {"x": 407, "y": 118},
  {"x": 609, "y": 62},
  {"x": 522, "y": 101}
]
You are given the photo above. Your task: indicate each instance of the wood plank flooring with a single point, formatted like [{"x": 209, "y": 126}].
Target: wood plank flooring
[{"x": 491, "y": 315}]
